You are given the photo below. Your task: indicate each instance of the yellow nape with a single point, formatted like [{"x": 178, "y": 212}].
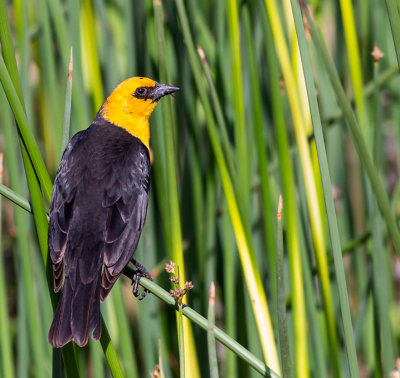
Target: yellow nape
[{"x": 124, "y": 110}]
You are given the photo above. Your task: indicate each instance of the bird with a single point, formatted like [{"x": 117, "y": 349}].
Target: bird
[{"x": 98, "y": 207}]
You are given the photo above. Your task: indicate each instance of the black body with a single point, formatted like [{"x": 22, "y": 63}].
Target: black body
[{"x": 97, "y": 212}]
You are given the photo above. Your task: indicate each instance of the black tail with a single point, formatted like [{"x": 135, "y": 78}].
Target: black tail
[{"x": 77, "y": 314}]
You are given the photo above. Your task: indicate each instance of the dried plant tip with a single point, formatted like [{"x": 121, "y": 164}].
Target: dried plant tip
[
  {"x": 282, "y": 86},
  {"x": 280, "y": 206},
  {"x": 211, "y": 293},
  {"x": 306, "y": 9},
  {"x": 1, "y": 164},
  {"x": 70, "y": 67},
  {"x": 188, "y": 285},
  {"x": 396, "y": 372},
  {"x": 201, "y": 53},
  {"x": 170, "y": 268},
  {"x": 306, "y": 27},
  {"x": 156, "y": 373},
  {"x": 377, "y": 54},
  {"x": 174, "y": 280}
]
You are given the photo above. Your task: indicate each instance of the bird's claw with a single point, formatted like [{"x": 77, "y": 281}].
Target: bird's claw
[
  {"x": 139, "y": 273},
  {"x": 135, "y": 283}
]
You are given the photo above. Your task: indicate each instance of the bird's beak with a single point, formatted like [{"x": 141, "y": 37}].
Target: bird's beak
[{"x": 160, "y": 90}]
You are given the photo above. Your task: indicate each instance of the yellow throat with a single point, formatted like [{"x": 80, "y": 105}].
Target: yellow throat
[{"x": 123, "y": 109}]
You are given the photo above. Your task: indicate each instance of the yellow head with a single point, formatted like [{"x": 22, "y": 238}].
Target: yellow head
[{"x": 130, "y": 105}]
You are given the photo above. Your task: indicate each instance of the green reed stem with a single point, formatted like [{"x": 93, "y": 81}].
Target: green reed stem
[
  {"x": 327, "y": 188},
  {"x": 394, "y": 18},
  {"x": 281, "y": 298},
  {"x": 67, "y": 108},
  {"x": 212, "y": 349},
  {"x": 358, "y": 140},
  {"x": 6, "y": 345}
]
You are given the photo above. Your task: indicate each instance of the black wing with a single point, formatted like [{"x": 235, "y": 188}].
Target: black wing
[
  {"x": 126, "y": 198},
  {"x": 68, "y": 178}
]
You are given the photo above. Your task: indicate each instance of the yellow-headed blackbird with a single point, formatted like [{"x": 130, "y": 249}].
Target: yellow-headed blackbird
[{"x": 98, "y": 207}]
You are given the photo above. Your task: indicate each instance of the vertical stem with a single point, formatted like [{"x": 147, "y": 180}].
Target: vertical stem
[
  {"x": 67, "y": 108},
  {"x": 212, "y": 348},
  {"x": 382, "y": 276},
  {"x": 326, "y": 183},
  {"x": 5, "y": 346},
  {"x": 181, "y": 343},
  {"x": 238, "y": 105},
  {"x": 394, "y": 18},
  {"x": 275, "y": 36},
  {"x": 281, "y": 298}
]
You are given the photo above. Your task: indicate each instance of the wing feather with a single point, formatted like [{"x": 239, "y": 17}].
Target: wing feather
[
  {"x": 61, "y": 207},
  {"x": 126, "y": 199}
]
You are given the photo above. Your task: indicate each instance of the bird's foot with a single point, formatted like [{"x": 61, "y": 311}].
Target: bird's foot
[{"x": 140, "y": 272}]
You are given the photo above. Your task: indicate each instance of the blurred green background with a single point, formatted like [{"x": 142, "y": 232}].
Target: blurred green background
[{"x": 312, "y": 292}]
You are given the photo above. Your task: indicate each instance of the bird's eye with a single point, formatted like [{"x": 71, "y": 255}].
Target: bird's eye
[{"x": 141, "y": 91}]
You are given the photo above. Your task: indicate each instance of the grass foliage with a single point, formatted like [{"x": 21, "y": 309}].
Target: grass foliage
[{"x": 277, "y": 98}]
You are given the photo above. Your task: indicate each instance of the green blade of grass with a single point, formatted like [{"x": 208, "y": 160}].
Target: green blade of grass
[
  {"x": 319, "y": 359},
  {"x": 90, "y": 61},
  {"x": 22, "y": 347},
  {"x": 128, "y": 359},
  {"x": 50, "y": 105},
  {"x": 394, "y": 18},
  {"x": 267, "y": 213},
  {"x": 358, "y": 140},
  {"x": 24, "y": 256},
  {"x": 6, "y": 345},
  {"x": 246, "y": 252},
  {"x": 275, "y": 36},
  {"x": 65, "y": 40},
  {"x": 25, "y": 132},
  {"x": 356, "y": 76},
  {"x": 109, "y": 351},
  {"x": 212, "y": 350},
  {"x": 96, "y": 355},
  {"x": 67, "y": 108},
  {"x": 238, "y": 107},
  {"x": 354, "y": 59},
  {"x": 181, "y": 343},
  {"x": 230, "y": 277},
  {"x": 15, "y": 197},
  {"x": 226, "y": 144},
  {"x": 281, "y": 298},
  {"x": 14, "y": 96},
  {"x": 382, "y": 276},
  {"x": 326, "y": 182}
]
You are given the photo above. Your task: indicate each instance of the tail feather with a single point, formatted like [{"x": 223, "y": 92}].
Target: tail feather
[
  {"x": 60, "y": 331},
  {"x": 95, "y": 319},
  {"x": 77, "y": 314}
]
